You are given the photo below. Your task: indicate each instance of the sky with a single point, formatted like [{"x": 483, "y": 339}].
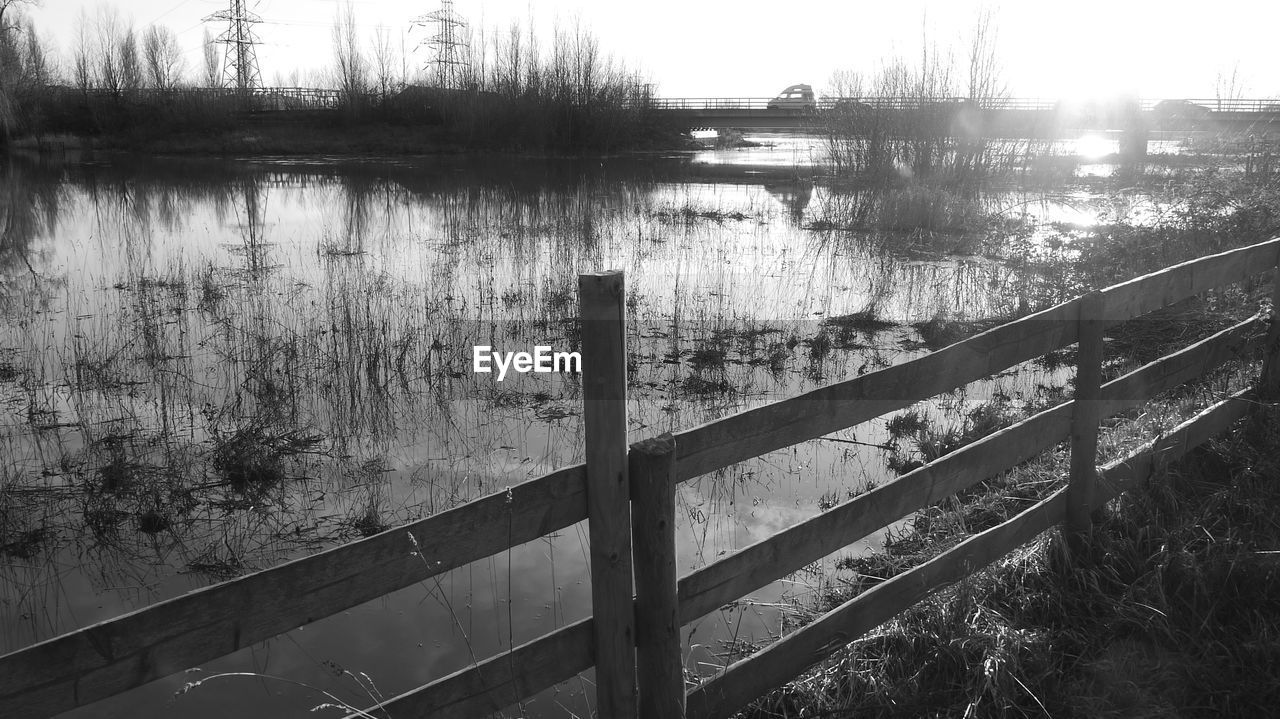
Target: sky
[{"x": 689, "y": 48}]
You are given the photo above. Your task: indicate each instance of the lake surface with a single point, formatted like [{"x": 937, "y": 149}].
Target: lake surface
[{"x": 209, "y": 366}]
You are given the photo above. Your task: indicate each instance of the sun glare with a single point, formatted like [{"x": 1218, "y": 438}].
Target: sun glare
[{"x": 1092, "y": 147}]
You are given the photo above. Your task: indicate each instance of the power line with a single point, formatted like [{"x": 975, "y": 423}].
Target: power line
[{"x": 168, "y": 12}]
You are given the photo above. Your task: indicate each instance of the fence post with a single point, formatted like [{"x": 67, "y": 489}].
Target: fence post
[
  {"x": 658, "y": 662},
  {"x": 1085, "y": 419},
  {"x": 604, "y": 390}
]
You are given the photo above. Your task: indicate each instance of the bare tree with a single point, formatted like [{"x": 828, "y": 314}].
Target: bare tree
[
  {"x": 1228, "y": 85},
  {"x": 11, "y": 24},
  {"x": 933, "y": 79},
  {"x": 15, "y": 65},
  {"x": 106, "y": 66},
  {"x": 38, "y": 71},
  {"x": 534, "y": 68},
  {"x": 587, "y": 68},
  {"x": 162, "y": 57},
  {"x": 509, "y": 58},
  {"x": 404, "y": 61},
  {"x": 131, "y": 74},
  {"x": 384, "y": 74},
  {"x": 846, "y": 82},
  {"x": 82, "y": 61},
  {"x": 212, "y": 61},
  {"x": 14, "y": 72},
  {"x": 113, "y": 61},
  {"x": 986, "y": 80},
  {"x": 351, "y": 67}
]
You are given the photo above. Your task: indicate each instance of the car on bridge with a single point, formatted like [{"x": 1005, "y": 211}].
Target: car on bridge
[
  {"x": 794, "y": 97},
  {"x": 1181, "y": 110}
]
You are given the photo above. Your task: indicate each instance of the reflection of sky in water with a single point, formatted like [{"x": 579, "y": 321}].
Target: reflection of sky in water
[
  {"x": 781, "y": 149},
  {"x": 171, "y": 306}
]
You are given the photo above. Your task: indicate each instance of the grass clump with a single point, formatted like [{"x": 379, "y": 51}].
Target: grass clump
[
  {"x": 24, "y": 544},
  {"x": 252, "y": 458},
  {"x": 938, "y": 332},
  {"x": 906, "y": 424},
  {"x": 925, "y": 442},
  {"x": 863, "y": 321},
  {"x": 709, "y": 357},
  {"x": 697, "y": 385}
]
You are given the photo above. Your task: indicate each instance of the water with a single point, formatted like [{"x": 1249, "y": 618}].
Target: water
[{"x": 208, "y": 367}]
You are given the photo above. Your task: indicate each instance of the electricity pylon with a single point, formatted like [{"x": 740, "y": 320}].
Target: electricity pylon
[
  {"x": 240, "y": 62},
  {"x": 449, "y": 42}
]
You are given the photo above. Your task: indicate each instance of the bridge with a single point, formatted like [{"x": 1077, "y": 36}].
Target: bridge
[
  {"x": 997, "y": 117},
  {"x": 992, "y": 117},
  {"x": 1009, "y": 117}
]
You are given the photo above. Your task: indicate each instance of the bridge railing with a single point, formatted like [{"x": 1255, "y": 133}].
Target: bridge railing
[
  {"x": 879, "y": 102},
  {"x": 710, "y": 103},
  {"x": 1234, "y": 105},
  {"x": 258, "y": 98},
  {"x": 1271, "y": 105},
  {"x": 325, "y": 98}
]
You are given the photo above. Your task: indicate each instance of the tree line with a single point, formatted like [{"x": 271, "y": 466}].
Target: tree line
[{"x": 513, "y": 88}]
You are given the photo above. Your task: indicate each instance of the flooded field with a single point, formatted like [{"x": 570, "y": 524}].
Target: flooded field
[{"x": 207, "y": 367}]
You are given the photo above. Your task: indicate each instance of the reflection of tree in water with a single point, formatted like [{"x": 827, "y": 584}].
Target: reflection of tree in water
[
  {"x": 30, "y": 197},
  {"x": 249, "y": 212},
  {"x": 916, "y": 207},
  {"x": 358, "y": 194}
]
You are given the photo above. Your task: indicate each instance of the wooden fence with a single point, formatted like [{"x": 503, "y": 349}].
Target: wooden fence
[{"x": 633, "y": 641}]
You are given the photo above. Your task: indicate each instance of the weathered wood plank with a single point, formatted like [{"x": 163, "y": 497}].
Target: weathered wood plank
[
  {"x": 659, "y": 666},
  {"x": 1173, "y": 284},
  {"x": 604, "y": 391},
  {"x": 797, "y": 546},
  {"x": 770, "y": 667},
  {"x": 1085, "y": 418},
  {"x": 500, "y": 681},
  {"x": 109, "y": 657},
  {"x": 828, "y": 409}
]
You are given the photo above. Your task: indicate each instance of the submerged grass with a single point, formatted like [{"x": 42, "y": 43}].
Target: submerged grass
[{"x": 252, "y": 458}]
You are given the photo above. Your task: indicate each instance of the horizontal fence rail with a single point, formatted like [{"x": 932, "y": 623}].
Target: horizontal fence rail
[
  {"x": 499, "y": 681},
  {"x": 115, "y": 655}
]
